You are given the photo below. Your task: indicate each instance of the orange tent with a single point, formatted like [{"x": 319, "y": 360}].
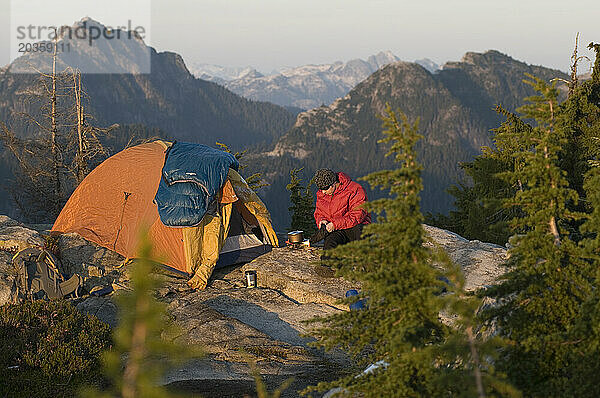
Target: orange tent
[{"x": 115, "y": 201}]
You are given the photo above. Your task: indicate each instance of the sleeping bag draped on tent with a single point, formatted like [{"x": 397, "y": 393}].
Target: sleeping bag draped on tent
[
  {"x": 115, "y": 201},
  {"x": 191, "y": 179}
]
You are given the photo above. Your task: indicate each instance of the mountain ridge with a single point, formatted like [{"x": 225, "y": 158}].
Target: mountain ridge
[
  {"x": 306, "y": 86},
  {"x": 169, "y": 98}
]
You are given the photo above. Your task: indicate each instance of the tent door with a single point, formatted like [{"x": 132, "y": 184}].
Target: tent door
[{"x": 242, "y": 243}]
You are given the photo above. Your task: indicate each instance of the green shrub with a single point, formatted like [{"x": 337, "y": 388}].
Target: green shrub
[{"x": 49, "y": 349}]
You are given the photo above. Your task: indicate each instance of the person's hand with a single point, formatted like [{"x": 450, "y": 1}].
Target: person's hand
[
  {"x": 330, "y": 227},
  {"x": 323, "y": 222}
]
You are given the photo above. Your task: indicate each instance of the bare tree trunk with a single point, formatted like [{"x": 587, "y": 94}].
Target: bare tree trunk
[
  {"x": 475, "y": 358},
  {"x": 63, "y": 153},
  {"x": 552, "y": 221},
  {"x": 81, "y": 153},
  {"x": 137, "y": 352},
  {"x": 574, "y": 59},
  {"x": 54, "y": 125}
]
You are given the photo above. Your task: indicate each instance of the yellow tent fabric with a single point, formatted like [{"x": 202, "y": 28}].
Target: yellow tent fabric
[
  {"x": 203, "y": 245},
  {"x": 204, "y": 242},
  {"x": 115, "y": 201},
  {"x": 253, "y": 203}
]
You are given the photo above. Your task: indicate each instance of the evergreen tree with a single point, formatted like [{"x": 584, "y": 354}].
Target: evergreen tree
[
  {"x": 465, "y": 361},
  {"x": 480, "y": 206},
  {"x": 400, "y": 330},
  {"x": 303, "y": 206},
  {"x": 549, "y": 305},
  {"x": 585, "y": 340},
  {"x": 541, "y": 295},
  {"x": 480, "y": 213},
  {"x": 579, "y": 118}
]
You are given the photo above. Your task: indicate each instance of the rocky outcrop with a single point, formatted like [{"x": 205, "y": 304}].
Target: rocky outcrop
[
  {"x": 97, "y": 265},
  {"x": 267, "y": 324},
  {"x": 14, "y": 236},
  {"x": 234, "y": 324},
  {"x": 7, "y": 278},
  {"x": 300, "y": 282},
  {"x": 479, "y": 261},
  {"x": 102, "y": 308}
]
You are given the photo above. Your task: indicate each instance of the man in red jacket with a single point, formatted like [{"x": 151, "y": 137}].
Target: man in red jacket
[{"x": 339, "y": 201}]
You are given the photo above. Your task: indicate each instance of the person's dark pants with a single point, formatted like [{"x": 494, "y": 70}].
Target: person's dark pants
[
  {"x": 333, "y": 239},
  {"x": 342, "y": 236}
]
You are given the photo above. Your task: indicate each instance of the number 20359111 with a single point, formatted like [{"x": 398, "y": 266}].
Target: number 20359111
[{"x": 43, "y": 47}]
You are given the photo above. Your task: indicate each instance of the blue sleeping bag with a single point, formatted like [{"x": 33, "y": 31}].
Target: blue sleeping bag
[{"x": 192, "y": 176}]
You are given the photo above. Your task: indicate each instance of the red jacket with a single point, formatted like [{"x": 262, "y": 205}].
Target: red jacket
[{"x": 341, "y": 208}]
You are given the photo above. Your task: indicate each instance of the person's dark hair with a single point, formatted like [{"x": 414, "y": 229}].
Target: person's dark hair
[{"x": 324, "y": 178}]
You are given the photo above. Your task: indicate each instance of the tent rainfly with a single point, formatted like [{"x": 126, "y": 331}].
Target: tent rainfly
[{"x": 117, "y": 200}]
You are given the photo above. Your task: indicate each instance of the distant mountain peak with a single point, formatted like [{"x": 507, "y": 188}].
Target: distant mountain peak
[
  {"x": 490, "y": 56},
  {"x": 249, "y": 73},
  {"x": 305, "y": 87},
  {"x": 382, "y": 58},
  {"x": 89, "y": 20},
  {"x": 97, "y": 49},
  {"x": 219, "y": 74},
  {"x": 428, "y": 64}
]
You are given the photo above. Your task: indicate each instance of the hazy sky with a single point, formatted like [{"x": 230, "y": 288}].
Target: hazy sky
[{"x": 269, "y": 34}]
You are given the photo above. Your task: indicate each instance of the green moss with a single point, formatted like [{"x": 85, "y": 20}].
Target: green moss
[{"x": 49, "y": 349}]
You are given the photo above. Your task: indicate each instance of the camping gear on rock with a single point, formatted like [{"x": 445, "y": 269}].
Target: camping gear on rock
[
  {"x": 358, "y": 305},
  {"x": 116, "y": 201},
  {"x": 295, "y": 241},
  {"x": 296, "y": 236},
  {"x": 251, "y": 280},
  {"x": 39, "y": 277},
  {"x": 446, "y": 283}
]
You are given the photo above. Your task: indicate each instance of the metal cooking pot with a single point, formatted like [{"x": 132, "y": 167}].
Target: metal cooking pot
[{"x": 296, "y": 236}]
